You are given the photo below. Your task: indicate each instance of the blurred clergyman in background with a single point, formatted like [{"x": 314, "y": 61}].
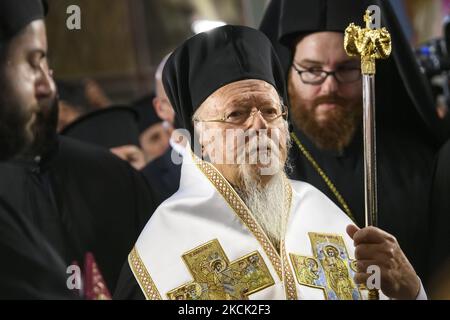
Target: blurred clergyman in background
[
  {"x": 30, "y": 268},
  {"x": 115, "y": 128},
  {"x": 79, "y": 98},
  {"x": 164, "y": 172},
  {"x": 154, "y": 133},
  {"x": 87, "y": 203},
  {"x": 72, "y": 103},
  {"x": 161, "y": 102}
]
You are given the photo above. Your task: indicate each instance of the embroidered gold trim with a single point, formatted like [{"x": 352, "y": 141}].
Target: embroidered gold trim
[
  {"x": 241, "y": 210},
  {"x": 142, "y": 276},
  {"x": 289, "y": 281}
]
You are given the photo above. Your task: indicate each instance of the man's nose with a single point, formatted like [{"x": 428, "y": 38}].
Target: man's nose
[
  {"x": 329, "y": 86},
  {"x": 45, "y": 86},
  {"x": 258, "y": 121}
]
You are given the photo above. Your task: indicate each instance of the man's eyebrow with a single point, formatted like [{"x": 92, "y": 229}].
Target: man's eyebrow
[
  {"x": 309, "y": 62},
  {"x": 249, "y": 100}
]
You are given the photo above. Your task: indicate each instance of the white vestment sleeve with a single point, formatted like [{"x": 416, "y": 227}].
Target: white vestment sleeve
[{"x": 422, "y": 294}]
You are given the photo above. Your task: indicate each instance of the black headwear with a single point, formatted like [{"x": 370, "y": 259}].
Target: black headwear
[
  {"x": 16, "y": 15},
  {"x": 109, "y": 128},
  {"x": 73, "y": 94},
  {"x": 146, "y": 111},
  {"x": 400, "y": 84},
  {"x": 211, "y": 60}
]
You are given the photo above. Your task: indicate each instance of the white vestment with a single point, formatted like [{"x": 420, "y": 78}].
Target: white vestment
[{"x": 203, "y": 243}]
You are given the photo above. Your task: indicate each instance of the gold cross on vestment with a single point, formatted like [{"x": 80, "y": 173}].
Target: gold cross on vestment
[
  {"x": 216, "y": 278},
  {"x": 330, "y": 269}
]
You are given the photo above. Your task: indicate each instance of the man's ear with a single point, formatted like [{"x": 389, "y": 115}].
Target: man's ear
[
  {"x": 199, "y": 128},
  {"x": 157, "y": 106}
]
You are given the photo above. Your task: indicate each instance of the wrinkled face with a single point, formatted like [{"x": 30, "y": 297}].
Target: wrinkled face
[
  {"x": 154, "y": 141},
  {"x": 328, "y": 113},
  {"x": 256, "y": 143},
  {"x": 27, "y": 91}
]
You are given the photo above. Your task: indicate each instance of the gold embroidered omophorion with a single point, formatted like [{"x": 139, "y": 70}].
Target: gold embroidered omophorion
[
  {"x": 281, "y": 265},
  {"x": 241, "y": 210},
  {"x": 216, "y": 278},
  {"x": 289, "y": 282},
  {"x": 330, "y": 269}
]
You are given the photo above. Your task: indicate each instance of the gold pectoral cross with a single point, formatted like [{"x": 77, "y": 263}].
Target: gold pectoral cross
[
  {"x": 330, "y": 269},
  {"x": 369, "y": 44},
  {"x": 216, "y": 278}
]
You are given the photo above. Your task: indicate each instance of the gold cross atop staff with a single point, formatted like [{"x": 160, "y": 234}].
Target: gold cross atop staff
[{"x": 369, "y": 44}]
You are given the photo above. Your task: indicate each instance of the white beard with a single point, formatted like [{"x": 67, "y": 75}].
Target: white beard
[{"x": 266, "y": 202}]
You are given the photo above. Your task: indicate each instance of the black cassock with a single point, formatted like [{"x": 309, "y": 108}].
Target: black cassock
[
  {"x": 163, "y": 174},
  {"x": 83, "y": 200},
  {"x": 440, "y": 210},
  {"x": 408, "y": 130},
  {"x": 30, "y": 268},
  {"x": 127, "y": 286}
]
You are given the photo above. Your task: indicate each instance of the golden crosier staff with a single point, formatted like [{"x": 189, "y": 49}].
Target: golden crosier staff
[{"x": 369, "y": 44}]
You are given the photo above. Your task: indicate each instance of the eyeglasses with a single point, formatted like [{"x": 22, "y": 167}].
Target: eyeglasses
[
  {"x": 317, "y": 76},
  {"x": 240, "y": 115}
]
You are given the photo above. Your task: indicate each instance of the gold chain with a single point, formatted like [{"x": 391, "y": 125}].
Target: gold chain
[{"x": 323, "y": 175}]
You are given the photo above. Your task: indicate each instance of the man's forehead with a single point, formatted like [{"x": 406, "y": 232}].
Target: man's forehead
[
  {"x": 240, "y": 92},
  {"x": 321, "y": 48},
  {"x": 246, "y": 89},
  {"x": 32, "y": 38},
  {"x": 251, "y": 97}
]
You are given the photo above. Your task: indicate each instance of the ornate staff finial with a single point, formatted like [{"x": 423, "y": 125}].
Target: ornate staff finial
[
  {"x": 367, "y": 19},
  {"x": 369, "y": 44}
]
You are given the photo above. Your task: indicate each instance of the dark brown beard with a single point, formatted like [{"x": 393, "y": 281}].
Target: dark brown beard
[
  {"x": 44, "y": 130},
  {"x": 14, "y": 119},
  {"x": 337, "y": 131}
]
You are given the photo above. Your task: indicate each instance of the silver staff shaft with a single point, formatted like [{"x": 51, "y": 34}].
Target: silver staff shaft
[{"x": 370, "y": 154}]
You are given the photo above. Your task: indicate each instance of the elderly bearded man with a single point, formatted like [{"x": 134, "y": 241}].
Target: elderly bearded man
[{"x": 231, "y": 232}]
